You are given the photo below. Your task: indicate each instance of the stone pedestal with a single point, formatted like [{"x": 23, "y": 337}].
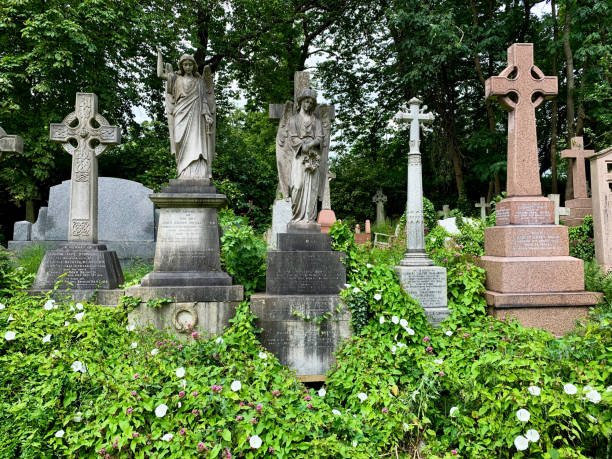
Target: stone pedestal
[
  {"x": 578, "y": 208},
  {"x": 301, "y": 314},
  {"x": 427, "y": 285},
  {"x": 187, "y": 268},
  {"x": 281, "y": 216},
  {"x": 530, "y": 275},
  {"x": 326, "y": 219}
]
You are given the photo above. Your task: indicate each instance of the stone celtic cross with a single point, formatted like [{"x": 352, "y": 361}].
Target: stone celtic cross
[
  {"x": 483, "y": 208},
  {"x": 380, "y": 199},
  {"x": 520, "y": 88},
  {"x": 85, "y": 134},
  {"x": 579, "y": 172},
  {"x": 10, "y": 143}
]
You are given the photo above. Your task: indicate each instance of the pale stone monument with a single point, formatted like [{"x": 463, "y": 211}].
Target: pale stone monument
[
  {"x": 559, "y": 211},
  {"x": 10, "y": 143},
  {"x": 304, "y": 276},
  {"x": 445, "y": 212},
  {"x": 84, "y": 134},
  {"x": 187, "y": 266},
  {"x": 530, "y": 275},
  {"x": 380, "y": 199},
  {"x": 327, "y": 216},
  {"x": 601, "y": 183},
  {"x": 581, "y": 205},
  {"x": 418, "y": 276},
  {"x": 483, "y": 204}
]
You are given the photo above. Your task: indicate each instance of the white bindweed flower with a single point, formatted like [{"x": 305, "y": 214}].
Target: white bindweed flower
[
  {"x": 2, "y": 306},
  {"x": 523, "y": 415},
  {"x": 356, "y": 290},
  {"x": 395, "y": 320},
  {"x": 400, "y": 345},
  {"x": 79, "y": 306},
  {"x": 439, "y": 361},
  {"x": 403, "y": 323},
  {"x": 167, "y": 437},
  {"x": 78, "y": 417},
  {"x": 154, "y": 351},
  {"x": 521, "y": 443},
  {"x": 71, "y": 309},
  {"x": 347, "y": 285},
  {"x": 180, "y": 372},
  {"x": 59, "y": 434},
  {"x": 322, "y": 392},
  {"x": 263, "y": 355},
  {"x": 134, "y": 345},
  {"x": 336, "y": 412},
  {"x": 534, "y": 390},
  {"x": 532, "y": 435},
  {"x": 183, "y": 383},
  {"x": 219, "y": 340},
  {"x": 406, "y": 426},
  {"x": 393, "y": 349},
  {"x": 48, "y": 305},
  {"x": 79, "y": 316},
  {"x": 410, "y": 331},
  {"x": 10, "y": 335},
  {"x": 381, "y": 320},
  {"x": 130, "y": 328},
  {"x": 448, "y": 333},
  {"x": 78, "y": 366},
  {"x": 10, "y": 318},
  {"x": 362, "y": 396},
  {"x": 354, "y": 443},
  {"x": 255, "y": 441},
  {"x": 593, "y": 396},
  {"x": 609, "y": 389},
  {"x": 236, "y": 386},
  {"x": 452, "y": 411},
  {"x": 569, "y": 389},
  {"x": 46, "y": 339},
  {"x": 161, "y": 411},
  {"x": 66, "y": 323},
  {"x": 180, "y": 404},
  {"x": 377, "y": 296},
  {"x": 368, "y": 265},
  {"x": 586, "y": 388}
]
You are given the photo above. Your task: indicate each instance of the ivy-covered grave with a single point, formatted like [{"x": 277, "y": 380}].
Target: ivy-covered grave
[{"x": 78, "y": 382}]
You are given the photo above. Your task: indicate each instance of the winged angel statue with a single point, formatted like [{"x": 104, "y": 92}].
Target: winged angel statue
[
  {"x": 302, "y": 149},
  {"x": 191, "y": 110}
]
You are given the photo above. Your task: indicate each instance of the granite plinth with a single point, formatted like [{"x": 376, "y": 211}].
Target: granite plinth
[
  {"x": 526, "y": 241},
  {"x": 578, "y": 208},
  {"x": 101, "y": 297},
  {"x": 305, "y": 272},
  {"x": 87, "y": 267},
  {"x": 181, "y": 294},
  {"x": 326, "y": 219},
  {"x": 303, "y": 227},
  {"x": 300, "y": 343},
  {"x": 525, "y": 210},
  {"x": 427, "y": 285},
  {"x": 181, "y": 319},
  {"x": 293, "y": 242}
]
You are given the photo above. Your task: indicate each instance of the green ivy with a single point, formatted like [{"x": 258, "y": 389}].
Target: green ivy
[{"x": 581, "y": 240}]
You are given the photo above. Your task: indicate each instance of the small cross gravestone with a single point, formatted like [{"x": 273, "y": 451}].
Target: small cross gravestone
[
  {"x": 483, "y": 208},
  {"x": 559, "y": 211},
  {"x": 445, "y": 212},
  {"x": 380, "y": 199},
  {"x": 10, "y": 143}
]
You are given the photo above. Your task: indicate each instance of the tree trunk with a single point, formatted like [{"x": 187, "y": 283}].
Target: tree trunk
[
  {"x": 554, "y": 121},
  {"x": 569, "y": 59}
]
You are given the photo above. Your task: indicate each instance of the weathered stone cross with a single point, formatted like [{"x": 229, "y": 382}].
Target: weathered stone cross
[
  {"x": 529, "y": 87},
  {"x": 483, "y": 208},
  {"x": 380, "y": 199},
  {"x": 85, "y": 134},
  {"x": 327, "y": 192},
  {"x": 579, "y": 173},
  {"x": 10, "y": 143},
  {"x": 415, "y": 235},
  {"x": 445, "y": 212},
  {"x": 559, "y": 211}
]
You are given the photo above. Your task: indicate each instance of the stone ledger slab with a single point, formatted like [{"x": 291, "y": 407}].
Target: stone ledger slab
[
  {"x": 304, "y": 345},
  {"x": 427, "y": 285}
]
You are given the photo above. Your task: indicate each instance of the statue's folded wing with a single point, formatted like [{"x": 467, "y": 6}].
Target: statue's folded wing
[
  {"x": 324, "y": 112},
  {"x": 170, "y": 102},
  {"x": 209, "y": 87},
  {"x": 284, "y": 155}
]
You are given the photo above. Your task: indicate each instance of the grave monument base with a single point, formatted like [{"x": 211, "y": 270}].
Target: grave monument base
[
  {"x": 579, "y": 208},
  {"x": 326, "y": 219}
]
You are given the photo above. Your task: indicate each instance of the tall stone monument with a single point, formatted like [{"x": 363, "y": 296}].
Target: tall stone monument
[
  {"x": 187, "y": 266},
  {"x": 84, "y": 134},
  {"x": 380, "y": 199},
  {"x": 581, "y": 205},
  {"x": 601, "y": 185},
  {"x": 327, "y": 216},
  {"x": 418, "y": 276},
  {"x": 10, "y": 143},
  {"x": 304, "y": 276},
  {"x": 530, "y": 275}
]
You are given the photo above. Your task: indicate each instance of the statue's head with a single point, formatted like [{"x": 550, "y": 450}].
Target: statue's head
[
  {"x": 307, "y": 94},
  {"x": 188, "y": 58}
]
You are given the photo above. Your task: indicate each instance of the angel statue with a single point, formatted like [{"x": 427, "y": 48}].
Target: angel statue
[
  {"x": 191, "y": 107},
  {"x": 301, "y": 151}
]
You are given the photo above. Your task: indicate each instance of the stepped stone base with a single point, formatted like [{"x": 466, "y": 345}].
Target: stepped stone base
[
  {"x": 101, "y": 297},
  {"x": 427, "y": 285},
  {"x": 525, "y": 210},
  {"x": 579, "y": 208},
  {"x": 326, "y": 219},
  {"x": 527, "y": 241}
]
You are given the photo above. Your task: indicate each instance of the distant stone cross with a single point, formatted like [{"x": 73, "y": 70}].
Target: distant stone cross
[
  {"x": 416, "y": 116},
  {"x": 10, "y": 143},
  {"x": 301, "y": 81},
  {"x": 380, "y": 199},
  {"x": 559, "y": 211},
  {"x": 579, "y": 173},
  {"x": 529, "y": 87},
  {"x": 445, "y": 212},
  {"x": 327, "y": 192},
  {"x": 85, "y": 134},
  {"x": 483, "y": 208}
]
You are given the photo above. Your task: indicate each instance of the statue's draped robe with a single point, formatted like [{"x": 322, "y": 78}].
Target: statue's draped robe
[
  {"x": 305, "y": 175},
  {"x": 189, "y": 134}
]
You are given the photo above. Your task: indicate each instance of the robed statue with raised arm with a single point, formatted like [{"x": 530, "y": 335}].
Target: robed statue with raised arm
[
  {"x": 191, "y": 111},
  {"x": 302, "y": 149}
]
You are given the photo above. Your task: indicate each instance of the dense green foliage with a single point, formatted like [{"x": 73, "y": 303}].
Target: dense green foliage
[{"x": 581, "y": 240}]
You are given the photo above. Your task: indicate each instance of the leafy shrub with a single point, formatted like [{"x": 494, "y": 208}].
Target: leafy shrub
[
  {"x": 430, "y": 217},
  {"x": 581, "y": 240},
  {"x": 135, "y": 271},
  {"x": 30, "y": 258}
]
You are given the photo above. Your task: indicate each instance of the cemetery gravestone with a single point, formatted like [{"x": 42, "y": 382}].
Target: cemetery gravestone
[
  {"x": 363, "y": 238},
  {"x": 89, "y": 265},
  {"x": 559, "y": 211},
  {"x": 530, "y": 275},
  {"x": 327, "y": 217},
  {"x": 417, "y": 274},
  {"x": 380, "y": 199},
  {"x": 304, "y": 276},
  {"x": 483, "y": 204},
  {"x": 445, "y": 212},
  {"x": 187, "y": 268},
  {"x": 10, "y": 143},
  {"x": 601, "y": 183},
  {"x": 581, "y": 205}
]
